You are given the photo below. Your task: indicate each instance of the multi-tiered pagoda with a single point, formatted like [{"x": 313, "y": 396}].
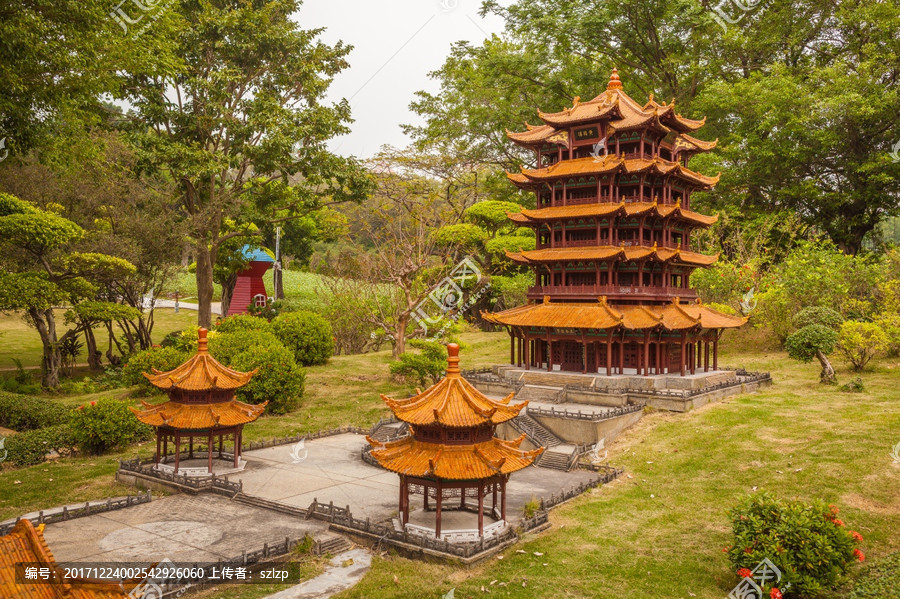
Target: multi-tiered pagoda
[
  {"x": 613, "y": 228},
  {"x": 452, "y": 452},
  {"x": 201, "y": 408}
]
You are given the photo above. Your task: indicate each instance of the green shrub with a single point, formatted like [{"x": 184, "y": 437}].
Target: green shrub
[
  {"x": 804, "y": 344},
  {"x": 243, "y": 322},
  {"x": 106, "y": 424},
  {"x": 226, "y": 346},
  {"x": 854, "y": 386},
  {"x": 818, "y": 315},
  {"x": 306, "y": 334},
  {"x": 186, "y": 340},
  {"x": 426, "y": 366},
  {"x": 160, "y": 358},
  {"x": 23, "y": 413},
  {"x": 807, "y": 542},
  {"x": 31, "y": 447},
  {"x": 279, "y": 380},
  {"x": 859, "y": 342}
]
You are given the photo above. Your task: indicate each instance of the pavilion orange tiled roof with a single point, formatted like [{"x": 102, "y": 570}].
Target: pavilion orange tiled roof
[
  {"x": 527, "y": 216},
  {"x": 673, "y": 317},
  {"x": 412, "y": 457},
  {"x": 25, "y": 543},
  {"x": 198, "y": 416},
  {"x": 200, "y": 373},
  {"x": 610, "y": 163},
  {"x": 611, "y": 252},
  {"x": 613, "y": 104},
  {"x": 453, "y": 402}
]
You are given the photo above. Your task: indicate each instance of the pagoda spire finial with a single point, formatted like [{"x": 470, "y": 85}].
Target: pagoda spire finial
[
  {"x": 452, "y": 359},
  {"x": 201, "y": 342},
  {"x": 614, "y": 81}
]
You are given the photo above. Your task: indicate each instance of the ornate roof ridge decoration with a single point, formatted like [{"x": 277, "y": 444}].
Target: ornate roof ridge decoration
[
  {"x": 453, "y": 402},
  {"x": 672, "y": 317},
  {"x": 200, "y": 373}
]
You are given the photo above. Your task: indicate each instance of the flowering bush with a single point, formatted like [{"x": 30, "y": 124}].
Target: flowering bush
[
  {"x": 104, "y": 424},
  {"x": 160, "y": 358},
  {"x": 279, "y": 380},
  {"x": 306, "y": 334},
  {"x": 807, "y": 542}
]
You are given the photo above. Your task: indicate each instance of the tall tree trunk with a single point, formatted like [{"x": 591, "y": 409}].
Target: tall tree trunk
[
  {"x": 827, "y": 375},
  {"x": 205, "y": 261},
  {"x": 278, "y": 274},
  {"x": 93, "y": 356},
  {"x": 400, "y": 336},
  {"x": 227, "y": 292},
  {"x": 45, "y": 323}
]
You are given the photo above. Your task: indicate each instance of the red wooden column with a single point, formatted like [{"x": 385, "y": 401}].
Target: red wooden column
[
  {"x": 706, "y": 356},
  {"x": 527, "y": 351},
  {"x": 165, "y": 447},
  {"x": 583, "y": 353},
  {"x": 157, "y": 446},
  {"x": 437, "y": 520},
  {"x": 596, "y": 356},
  {"x": 237, "y": 445},
  {"x": 503, "y": 499},
  {"x": 683, "y": 358},
  {"x": 177, "y": 450},
  {"x": 622, "y": 356},
  {"x": 494, "y": 498},
  {"x": 480, "y": 508},
  {"x": 400, "y": 499},
  {"x": 647, "y": 352},
  {"x": 716, "y": 352},
  {"x": 425, "y": 500},
  {"x": 549, "y": 351},
  {"x": 512, "y": 348},
  {"x": 658, "y": 357},
  {"x": 692, "y": 349},
  {"x": 209, "y": 449},
  {"x": 609, "y": 352}
]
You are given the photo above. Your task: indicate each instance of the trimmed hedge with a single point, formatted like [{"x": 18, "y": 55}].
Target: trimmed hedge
[
  {"x": 160, "y": 358},
  {"x": 279, "y": 380},
  {"x": 225, "y": 347},
  {"x": 24, "y": 413},
  {"x": 106, "y": 424},
  {"x": 243, "y": 322},
  {"x": 307, "y": 334},
  {"x": 32, "y": 447}
]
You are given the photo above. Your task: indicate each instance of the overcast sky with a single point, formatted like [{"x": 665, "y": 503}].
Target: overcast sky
[{"x": 396, "y": 43}]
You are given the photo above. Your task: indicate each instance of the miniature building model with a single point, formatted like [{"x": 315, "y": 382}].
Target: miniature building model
[
  {"x": 250, "y": 287},
  {"x": 25, "y": 544},
  {"x": 451, "y": 451},
  {"x": 201, "y": 406},
  {"x": 613, "y": 228}
]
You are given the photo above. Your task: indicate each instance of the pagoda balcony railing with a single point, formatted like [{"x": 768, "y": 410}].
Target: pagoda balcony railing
[
  {"x": 574, "y": 243},
  {"x": 596, "y": 290},
  {"x": 605, "y": 199}
]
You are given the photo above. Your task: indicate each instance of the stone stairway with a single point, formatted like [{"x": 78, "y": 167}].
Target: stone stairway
[
  {"x": 270, "y": 505},
  {"x": 555, "y": 460},
  {"x": 331, "y": 545},
  {"x": 541, "y": 393},
  {"x": 535, "y": 431},
  {"x": 390, "y": 430}
]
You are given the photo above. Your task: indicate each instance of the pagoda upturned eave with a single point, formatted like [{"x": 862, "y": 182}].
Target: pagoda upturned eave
[
  {"x": 611, "y": 253},
  {"x": 412, "y": 457},
  {"x": 604, "y": 209},
  {"x": 183, "y": 416},
  {"x": 609, "y": 164},
  {"x": 201, "y": 372}
]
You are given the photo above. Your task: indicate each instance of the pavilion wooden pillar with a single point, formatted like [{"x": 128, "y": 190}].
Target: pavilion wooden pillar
[
  {"x": 527, "y": 351},
  {"x": 549, "y": 351},
  {"x": 480, "y": 507},
  {"x": 705, "y": 356},
  {"x": 596, "y": 356},
  {"x": 190, "y": 447},
  {"x": 503, "y": 498},
  {"x": 177, "y": 450},
  {"x": 646, "y": 349},
  {"x": 158, "y": 440},
  {"x": 438, "y": 503},
  {"x": 165, "y": 446},
  {"x": 716, "y": 351},
  {"x": 683, "y": 358},
  {"x": 583, "y": 353},
  {"x": 400, "y": 499},
  {"x": 692, "y": 349},
  {"x": 494, "y": 498},
  {"x": 699, "y": 354},
  {"x": 209, "y": 451},
  {"x": 622, "y": 355},
  {"x": 238, "y": 434},
  {"x": 658, "y": 357},
  {"x": 425, "y": 500},
  {"x": 221, "y": 436},
  {"x": 512, "y": 348},
  {"x": 609, "y": 352}
]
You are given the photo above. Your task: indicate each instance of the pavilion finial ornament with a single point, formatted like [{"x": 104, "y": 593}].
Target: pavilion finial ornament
[{"x": 614, "y": 81}]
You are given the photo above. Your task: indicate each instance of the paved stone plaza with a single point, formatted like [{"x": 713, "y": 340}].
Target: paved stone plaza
[
  {"x": 189, "y": 528},
  {"x": 332, "y": 470}
]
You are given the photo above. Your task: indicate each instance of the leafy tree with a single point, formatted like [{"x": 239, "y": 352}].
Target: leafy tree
[
  {"x": 426, "y": 366},
  {"x": 814, "y": 341},
  {"x": 240, "y": 126},
  {"x": 859, "y": 342},
  {"x": 306, "y": 334}
]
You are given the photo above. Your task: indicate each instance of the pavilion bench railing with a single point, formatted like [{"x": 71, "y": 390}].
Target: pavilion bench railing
[
  {"x": 214, "y": 482},
  {"x": 612, "y": 412},
  {"x": 87, "y": 509}
]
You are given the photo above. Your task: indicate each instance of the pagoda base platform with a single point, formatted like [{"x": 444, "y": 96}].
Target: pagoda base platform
[
  {"x": 630, "y": 380},
  {"x": 457, "y": 525},
  {"x": 199, "y": 467}
]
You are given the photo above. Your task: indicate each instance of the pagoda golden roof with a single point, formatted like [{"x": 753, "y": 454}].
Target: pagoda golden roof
[
  {"x": 453, "y": 402},
  {"x": 411, "y": 457},
  {"x": 527, "y": 216},
  {"x": 201, "y": 373},
  {"x": 25, "y": 543},
  {"x": 622, "y": 112},
  {"x": 205, "y": 416},
  {"x": 608, "y": 164},
  {"x": 611, "y": 252},
  {"x": 601, "y": 315}
]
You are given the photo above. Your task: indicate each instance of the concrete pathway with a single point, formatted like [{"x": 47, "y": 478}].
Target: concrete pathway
[
  {"x": 160, "y": 303},
  {"x": 343, "y": 571}
]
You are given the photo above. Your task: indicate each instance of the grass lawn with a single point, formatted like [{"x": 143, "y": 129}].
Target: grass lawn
[
  {"x": 297, "y": 285},
  {"x": 18, "y": 340},
  {"x": 658, "y": 531}
]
